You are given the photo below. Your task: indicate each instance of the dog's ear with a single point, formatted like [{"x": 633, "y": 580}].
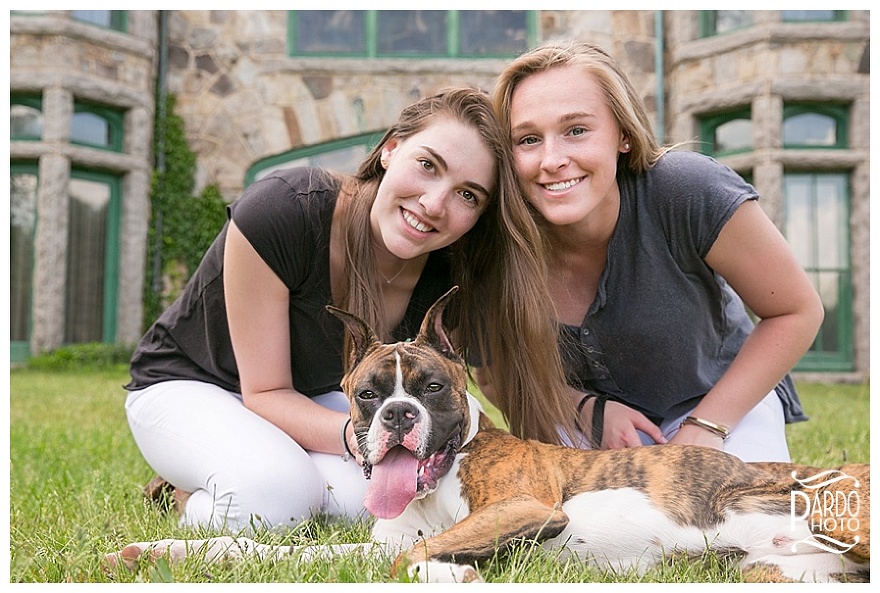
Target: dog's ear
[
  {"x": 363, "y": 337},
  {"x": 432, "y": 331}
]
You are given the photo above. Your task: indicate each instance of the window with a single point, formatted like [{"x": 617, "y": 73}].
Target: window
[
  {"x": 96, "y": 126},
  {"x": 23, "y": 183},
  {"x": 814, "y": 126},
  {"x": 817, "y": 228},
  {"x": 25, "y": 118},
  {"x": 92, "y": 255},
  {"x": 411, "y": 33},
  {"x": 727, "y": 133},
  {"x": 343, "y": 156},
  {"x": 795, "y": 16},
  {"x": 715, "y": 22},
  {"x": 110, "y": 19}
]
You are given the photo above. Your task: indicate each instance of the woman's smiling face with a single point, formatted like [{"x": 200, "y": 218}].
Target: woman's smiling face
[
  {"x": 436, "y": 185},
  {"x": 566, "y": 142}
]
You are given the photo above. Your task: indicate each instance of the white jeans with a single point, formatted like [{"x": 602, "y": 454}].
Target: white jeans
[
  {"x": 759, "y": 436},
  {"x": 242, "y": 470}
]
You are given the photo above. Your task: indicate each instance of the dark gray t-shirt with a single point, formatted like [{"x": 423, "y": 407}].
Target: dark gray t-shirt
[
  {"x": 664, "y": 327},
  {"x": 286, "y": 217}
]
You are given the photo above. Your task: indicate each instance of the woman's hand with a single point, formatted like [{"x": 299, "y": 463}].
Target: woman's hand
[{"x": 620, "y": 426}]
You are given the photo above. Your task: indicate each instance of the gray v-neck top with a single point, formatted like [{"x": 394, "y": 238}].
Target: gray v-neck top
[{"x": 664, "y": 326}]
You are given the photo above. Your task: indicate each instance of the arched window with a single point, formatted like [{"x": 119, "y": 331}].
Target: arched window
[
  {"x": 727, "y": 133},
  {"x": 814, "y": 126},
  {"x": 342, "y": 156},
  {"x": 110, "y": 19},
  {"x": 96, "y": 126},
  {"x": 25, "y": 118},
  {"x": 716, "y": 22}
]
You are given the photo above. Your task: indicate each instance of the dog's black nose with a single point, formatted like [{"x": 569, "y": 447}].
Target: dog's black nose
[{"x": 400, "y": 417}]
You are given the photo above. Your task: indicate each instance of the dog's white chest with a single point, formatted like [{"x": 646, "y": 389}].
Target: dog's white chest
[{"x": 427, "y": 516}]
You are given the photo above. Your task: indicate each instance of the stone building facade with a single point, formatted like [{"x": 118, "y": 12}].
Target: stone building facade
[{"x": 251, "y": 102}]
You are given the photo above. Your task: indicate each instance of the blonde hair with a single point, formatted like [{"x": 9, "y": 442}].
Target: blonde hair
[
  {"x": 625, "y": 103},
  {"x": 504, "y": 312}
]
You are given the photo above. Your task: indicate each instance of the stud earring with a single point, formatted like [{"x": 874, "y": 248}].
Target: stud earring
[{"x": 626, "y": 146}]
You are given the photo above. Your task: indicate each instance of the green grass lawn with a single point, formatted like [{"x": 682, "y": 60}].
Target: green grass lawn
[{"x": 76, "y": 479}]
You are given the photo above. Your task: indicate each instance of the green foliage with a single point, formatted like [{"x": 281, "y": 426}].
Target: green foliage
[
  {"x": 182, "y": 225},
  {"x": 82, "y": 356}
]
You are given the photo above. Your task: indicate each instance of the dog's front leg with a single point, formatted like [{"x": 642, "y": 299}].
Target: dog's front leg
[{"x": 449, "y": 556}]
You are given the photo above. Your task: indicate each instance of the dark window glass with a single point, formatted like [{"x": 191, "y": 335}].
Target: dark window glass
[
  {"x": 412, "y": 32},
  {"x": 89, "y": 203},
  {"x": 22, "y": 222},
  {"x": 25, "y": 121},
  {"x": 492, "y": 32},
  {"x": 330, "y": 31}
]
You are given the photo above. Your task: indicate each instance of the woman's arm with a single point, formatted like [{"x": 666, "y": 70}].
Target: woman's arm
[
  {"x": 257, "y": 309},
  {"x": 755, "y": 259}
]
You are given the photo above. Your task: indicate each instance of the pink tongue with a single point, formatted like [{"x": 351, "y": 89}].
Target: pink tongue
[{"x": 392, "y": 483}]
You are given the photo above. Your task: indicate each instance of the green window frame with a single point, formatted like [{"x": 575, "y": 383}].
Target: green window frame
[
  {"x": 23, "y": 224},
  {"x": 116, "y": 20},
  {"x": 816, "y": 225},
  {"x": 325, "y": 155},
  {"x": 87, "y": 278},
  {"x": 814, "y": 16},
  {"x": 32, "y": 102},
  {"x": 720, "y": 22},
  {"x": 713, "y": 126},
  {"x": 366, "y": 32},
  {"x": 85, "y": 115},
  {"x": 838, "y": 114}
]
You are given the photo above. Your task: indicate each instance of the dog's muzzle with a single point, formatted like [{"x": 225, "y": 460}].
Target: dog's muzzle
[{"x": 405, "y": 469}]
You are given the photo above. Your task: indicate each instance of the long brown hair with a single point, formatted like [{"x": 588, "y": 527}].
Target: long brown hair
[{"x": 504, "y": 312}]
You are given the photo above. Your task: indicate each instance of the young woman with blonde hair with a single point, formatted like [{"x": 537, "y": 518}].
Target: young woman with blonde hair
[{"x": 655, "y": 255}]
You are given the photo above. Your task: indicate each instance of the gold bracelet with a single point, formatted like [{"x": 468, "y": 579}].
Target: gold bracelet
[{"x": 716, "y": 429}]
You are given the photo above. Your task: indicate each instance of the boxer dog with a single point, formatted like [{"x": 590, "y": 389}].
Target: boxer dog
[{"x": 449, "y": 489}]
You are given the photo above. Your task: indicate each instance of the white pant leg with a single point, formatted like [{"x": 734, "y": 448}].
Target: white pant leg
[
  {"x": 759, "y": 436},
  {"x": 242, "y": 470}
]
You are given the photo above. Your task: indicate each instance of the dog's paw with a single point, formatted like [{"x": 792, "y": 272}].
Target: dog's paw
[{"x": 443, "y": 572}]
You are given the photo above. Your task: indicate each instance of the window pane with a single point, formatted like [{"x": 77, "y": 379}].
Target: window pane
[
  {"x": 808, "y": 15},
  {"x": 728, "y": 20},
  {"x": 86, "y": 252},
  {"x": 103, "y": 18},
  {"x": 25, "y": 122},
  {"x": 329, "y": 31},
  {"x": 828, "y": 287},
  {"x": 22, "y": 219},
  {"x": 733, "y": 135},
  {"x": 799, "y": 218},
  {"x": 809, "y": 129},
  {"x": 493, "y": 31},
  {"x": 412, "y": 31},
  {"x": 90, "y": 128},
  {"x": 831, "y": 213}
]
